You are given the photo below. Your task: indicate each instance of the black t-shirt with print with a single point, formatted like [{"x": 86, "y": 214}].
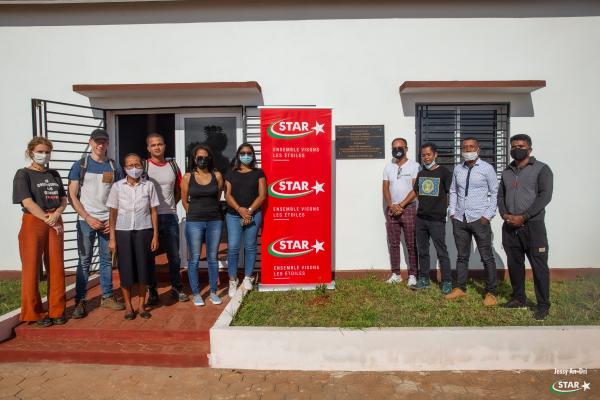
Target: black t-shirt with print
[
  {"x": 44, "y": 188},
  {"x": 432, "y": 187},
  {"x": 244, "y": 186}
]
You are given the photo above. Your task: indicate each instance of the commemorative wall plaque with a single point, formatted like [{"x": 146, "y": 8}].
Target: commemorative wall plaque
[{"x": 359, "y": 142}]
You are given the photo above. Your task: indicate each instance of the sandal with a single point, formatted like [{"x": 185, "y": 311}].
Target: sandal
[
  {"x": 145, "y": 315},
  {"x": 130, "y": 316}
]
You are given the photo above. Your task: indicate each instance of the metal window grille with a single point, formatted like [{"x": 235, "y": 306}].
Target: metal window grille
[
  {"x": 68, "y": 126},
  {"x": 447, "y": 124}
]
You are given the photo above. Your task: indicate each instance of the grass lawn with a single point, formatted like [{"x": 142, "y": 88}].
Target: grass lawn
[
  {"x": 10, "y": 294},
  {"x": 369, "y": 302}
]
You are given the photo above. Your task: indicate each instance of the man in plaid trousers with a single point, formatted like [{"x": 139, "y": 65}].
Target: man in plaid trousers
[{"x": 400, "y": 215}]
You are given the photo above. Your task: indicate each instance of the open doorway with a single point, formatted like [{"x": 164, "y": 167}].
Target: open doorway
[{"x": 133, "y": 129}]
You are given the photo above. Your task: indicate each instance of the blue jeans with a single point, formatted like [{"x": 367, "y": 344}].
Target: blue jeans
[
  {"x": 168, "y": 236},
  {"x": 196, "y": 233},
  {"x": 235, "y": 232},
  {"x": 85, "y": 246}
]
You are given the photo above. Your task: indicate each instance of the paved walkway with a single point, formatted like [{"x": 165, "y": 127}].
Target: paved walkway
[{"x": 78, "y": 381}]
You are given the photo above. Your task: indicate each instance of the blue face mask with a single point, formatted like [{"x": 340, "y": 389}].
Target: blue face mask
[{"x": 245, "y": 159}]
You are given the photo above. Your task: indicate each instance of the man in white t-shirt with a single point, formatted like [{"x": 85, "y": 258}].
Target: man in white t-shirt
[
  {"x": 166, "y": 176},
  {"x": 400, "y": 215}
]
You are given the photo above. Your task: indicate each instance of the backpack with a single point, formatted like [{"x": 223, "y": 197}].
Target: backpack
[
  {"x": 171, "y": 162},
  {"x": 83, "y": 166}
]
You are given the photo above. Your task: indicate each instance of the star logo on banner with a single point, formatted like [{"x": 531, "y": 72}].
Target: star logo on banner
[
  {"x": 318, "y": 187},
  {"x": 318, "y": 246},
  {"x": 318, "y": 128},
  {"x": 586, "y": 385}
]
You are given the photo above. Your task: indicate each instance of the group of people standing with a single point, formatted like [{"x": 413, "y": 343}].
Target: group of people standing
[
  {"x": 418, "y": 200},
  {"x": 130, "y": 212}
]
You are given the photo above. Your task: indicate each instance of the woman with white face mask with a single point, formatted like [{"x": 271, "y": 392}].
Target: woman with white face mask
[
  {"x": 42, "y": 196},
  {"x": 133, "y": 225}
]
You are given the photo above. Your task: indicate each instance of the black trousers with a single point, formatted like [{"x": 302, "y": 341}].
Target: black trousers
[
  {"x": 463, "y": 234},
  {"x": 436, "y": 230},
  {"x": 136, "y": 260},
  {"x": 528, "y": 240}
]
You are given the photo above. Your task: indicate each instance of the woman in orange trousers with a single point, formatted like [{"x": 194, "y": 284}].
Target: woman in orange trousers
[{"x": 42, "y": 196}]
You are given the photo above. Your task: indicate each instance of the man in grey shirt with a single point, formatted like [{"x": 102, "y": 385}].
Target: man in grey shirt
[{"x": 524, "y": 192}]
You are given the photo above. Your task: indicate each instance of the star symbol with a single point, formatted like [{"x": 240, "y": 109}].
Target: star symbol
[
  {"x": 318, "y": 246},
  {"x": 318, "y": 128},
  {"x": 318, "y": 187},
  {"x": 586, "y": 385}
]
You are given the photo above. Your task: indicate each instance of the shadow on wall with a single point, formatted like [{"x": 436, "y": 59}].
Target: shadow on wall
[
  {"x": 521, "y": 104},
  {"x": 474, "y": 257},
  {"x": 110, "y": 13}
]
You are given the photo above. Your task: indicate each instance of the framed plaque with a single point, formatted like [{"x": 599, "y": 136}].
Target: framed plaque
[{"x": 359, "y": 142}]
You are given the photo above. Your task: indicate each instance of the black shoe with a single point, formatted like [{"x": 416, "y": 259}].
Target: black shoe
[
  {"x": 514, "y": 303},
  {"x": 59, "y": 321},
  {"x": 129, "y": 316},
  {"x": 80, "y": 309},
  {"x": 44, "y": 322},
  {"x": 179, "y": 295},
  {"x": 145, "y": 315},
  {"x": 541, "y": 313},
  {"x": 153, "y": 299}
]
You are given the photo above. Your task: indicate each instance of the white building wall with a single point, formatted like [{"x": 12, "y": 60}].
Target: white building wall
[{"x": 355, "y": 66}]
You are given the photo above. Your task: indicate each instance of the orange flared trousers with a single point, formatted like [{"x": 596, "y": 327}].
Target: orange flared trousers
[{"x": 39, "y": 241}]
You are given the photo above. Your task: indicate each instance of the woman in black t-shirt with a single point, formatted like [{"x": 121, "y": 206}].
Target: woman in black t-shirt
[
  {"x": 42, "y": 196},
  {"x": 200, "y": 194},
  {"x": 245, "y": 192}
]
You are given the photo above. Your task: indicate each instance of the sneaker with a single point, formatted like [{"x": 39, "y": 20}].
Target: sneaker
[
  {"x": 80, "y": 309},
  {"x": 179, "y": 295},
  {"x": 247, "y": 283},
  {"x": 490, "y": 300},
  {"x": 112, "y": 303},
  {"x": 446, "y": 287},
  {"x": 394, "y": 278},
  {"x": 232, "y": 287},
  {"x": 541, "y": 313},
  {"x": 214, "y": 298},
  {"x": 412, "y": 282},
  {"x": 59, "y": 321},
  {"x": 516, "y": 304},
  {"x": 197, "y": 299},
  {"x": 153, "y": 299},
  {"x": 455, "y": 294},
  {"x": 423, "y": 283}
]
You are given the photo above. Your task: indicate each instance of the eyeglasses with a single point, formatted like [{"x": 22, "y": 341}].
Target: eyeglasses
[{"x": 246, "y": 153}]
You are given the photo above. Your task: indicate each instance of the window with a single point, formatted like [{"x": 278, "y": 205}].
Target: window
[{"x": 447, "y": 124}]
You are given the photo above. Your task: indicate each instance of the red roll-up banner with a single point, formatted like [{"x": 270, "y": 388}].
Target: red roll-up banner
[{"x": 296, "y": 239}]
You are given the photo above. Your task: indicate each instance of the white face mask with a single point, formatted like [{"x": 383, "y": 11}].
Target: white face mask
[
  {"x": 430, "y": 165},
  {"x": 135, "y": 173},
  {"x": 470, "y": 155},
  {"x": 41, "y": 158}
]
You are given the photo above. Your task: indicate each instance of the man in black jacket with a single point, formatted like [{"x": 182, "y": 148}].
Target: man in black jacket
[{"x": 524, "y": 191}]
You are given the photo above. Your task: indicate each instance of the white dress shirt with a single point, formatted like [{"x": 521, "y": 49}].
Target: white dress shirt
[{"x": 133, "y": 203}]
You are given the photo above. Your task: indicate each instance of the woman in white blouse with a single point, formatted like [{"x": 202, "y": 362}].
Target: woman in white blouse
[{"x": 134, "y": 232}]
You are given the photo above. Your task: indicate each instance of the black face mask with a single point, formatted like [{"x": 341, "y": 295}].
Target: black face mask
[
  {"x": 519, "y": 154},
  {"x": 202, "y": 162},
  {"x": 398, "y": 152}
]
